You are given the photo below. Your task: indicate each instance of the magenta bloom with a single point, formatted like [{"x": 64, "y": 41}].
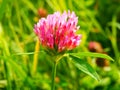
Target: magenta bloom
[{"x": 57, "y": 31}]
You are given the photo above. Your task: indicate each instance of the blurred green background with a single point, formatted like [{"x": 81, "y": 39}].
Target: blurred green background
[{"x": 21, "y": 69}]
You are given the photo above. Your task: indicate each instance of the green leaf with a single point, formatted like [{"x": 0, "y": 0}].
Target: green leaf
[
  {"x": 84, "y": 66},
  {"x": 28, "y": 53},
  {"x": 86, "y": 54}
]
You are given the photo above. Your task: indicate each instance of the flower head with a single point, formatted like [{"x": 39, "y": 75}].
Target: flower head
[
  {"x": 57, "y": 31},
  {"x": 95, "y": 47}
]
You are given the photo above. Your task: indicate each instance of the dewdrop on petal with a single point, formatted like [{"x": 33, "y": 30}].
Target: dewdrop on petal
[{"x": 58, "y": 31}]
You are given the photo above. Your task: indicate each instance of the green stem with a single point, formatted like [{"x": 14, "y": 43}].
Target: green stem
[
  {"x": 57, "y": 59},
  {"x": 53, "y": 76}
]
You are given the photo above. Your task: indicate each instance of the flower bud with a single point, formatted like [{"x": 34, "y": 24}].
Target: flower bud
[{"x": 42, "y": 12}]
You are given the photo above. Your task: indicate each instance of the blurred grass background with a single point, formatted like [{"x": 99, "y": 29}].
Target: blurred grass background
[{"x": 21, "y": 69}]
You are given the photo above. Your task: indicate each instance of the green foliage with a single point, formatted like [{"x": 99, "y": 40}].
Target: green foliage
[
  {"x": 86, "y": 54},
  {"x": 85, "y": 67},
  {"x": 99, "y": 21}
]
